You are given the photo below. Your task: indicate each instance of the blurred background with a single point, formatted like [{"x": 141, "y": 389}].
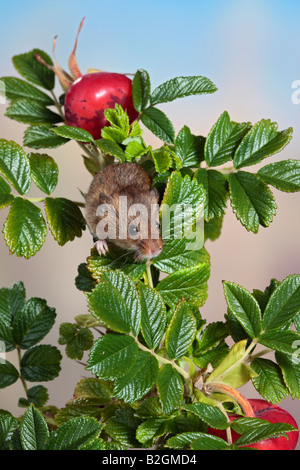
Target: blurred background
[{"x": 250, "y": 50}]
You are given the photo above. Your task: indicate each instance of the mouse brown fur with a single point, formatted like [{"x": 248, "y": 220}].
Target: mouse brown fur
[{"x": 107, "y": 189}]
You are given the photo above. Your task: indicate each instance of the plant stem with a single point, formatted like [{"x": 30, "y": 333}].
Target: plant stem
[
  {"x": 228, "y": 430},
  {"x": 231, "y": 392},
  {"x": 163, "y": 360},
  {"x": 259, "y": 354},
  {"x": 35, "y": 199},
  {"x": 20, "y": 376},
  {"x": 57, "y": 105},
  {"x": 149, "y": 275}
]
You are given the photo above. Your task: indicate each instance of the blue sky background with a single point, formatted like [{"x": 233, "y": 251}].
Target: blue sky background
[{"x": 249, "y": 49}]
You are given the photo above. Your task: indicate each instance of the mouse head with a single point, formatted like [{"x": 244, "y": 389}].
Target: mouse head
[{"x": 133, "y": 222}]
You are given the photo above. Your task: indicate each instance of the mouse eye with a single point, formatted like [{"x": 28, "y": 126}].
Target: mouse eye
[
  {"x": 157, "y": 225},
  {"x": 133, "y": 230}
]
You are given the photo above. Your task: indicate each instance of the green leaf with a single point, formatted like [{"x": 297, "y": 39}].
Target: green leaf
[
  {"x": 284, "y": 175},
  {"x": 151, "y": 429},
  {"x": 223, "y": 140},
  {"x": 256, "y": 430},
  {"x": 65, "y": 219},
  {"x": 251, "y": 200},
  {"x": 111, "y": 148},
  {"x": 182, "y": 206},
  {"x": 213, "y": 356},
  {"x": 25, "y": 229},
  {"x": 119, "y": 307},
  {"x": 93, "y": 389},
  {"x": 112, "y": 356},
  {"x": 139, "y": 379},
  {"x": 262, "y": 141},
  {"x": 16, "y": 88},
  {"x": 31, "y": 112},
  {"x": 38, "y": 395},
  {"x": 189, "y": 284},
  {"x": 8, "y": 374},
  {"x": 209, "y": 442},
  {"x": 27, "y": 65},
  {"x": 77, "y": 338},
  {"x": 290, "y": 369},
  {"x": 135, "y": 150},
  {"x": 263, "y": 297},
  {"x": 33, "y": 430},
  {"x": 12, "y": 300},
  {"x": 41, "y": 363},
  {"x": 141, "y": 89},
  {"x": 33, "y": 322},
  {"x": 216, "y": 188},
  {"x": 189, "y": 148},
  {"x": 84, "y": 280},
  {"x": 115, "y": 258},
  {"x": 149, "y": 408},
  {"x": 232, "y": 371},
  {"x": 181, "y": 331},
  {"x": 213, "y": 228},
  {"x": 159, "y": 124},
  {"x": 170, "y": 388},
  {"x": 180, "y": 87},
  {"x": 283, "y": 305},
  {"x": 8, "y": 425},
  {"x": 211, "y": 336},
  {"x": 175, "y": 256},
  {"x": 14, "y": 166},
  {"x": 184, "y": 440},
  {"x": 42, "y": 136},
  {"x": 77, "y": 410},
  {"x": 74, "y": 133},
  {"x": 208, "y": 413},
  {"x": 244, "y": 307},
  {"x": 5, "y": 197},
  {"x": 122, "y": 427},
  {"x": 162, "y": 159},
  {"x": 269, "y": 382},
  {"x": 74, "y": 434},
  {"x": 153, "y": 316},
  {"x": 282, "y": 341},
  {"x": 118, "y": 118},
  {"x": 44, "y": 172}
]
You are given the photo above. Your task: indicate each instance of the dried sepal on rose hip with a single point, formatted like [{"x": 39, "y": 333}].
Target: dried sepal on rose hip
[{"x": 89, "y": 95}]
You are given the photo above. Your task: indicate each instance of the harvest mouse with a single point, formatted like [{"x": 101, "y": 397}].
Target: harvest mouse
[{"x": 122, "y": 208}]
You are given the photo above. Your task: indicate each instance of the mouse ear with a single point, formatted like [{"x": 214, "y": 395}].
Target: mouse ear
[
  {"x": 104, "y": 199},
  {"x": 154, "y": 193}
]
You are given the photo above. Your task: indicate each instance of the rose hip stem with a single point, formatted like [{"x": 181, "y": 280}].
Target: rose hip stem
[{"x": 231, "y": 392}]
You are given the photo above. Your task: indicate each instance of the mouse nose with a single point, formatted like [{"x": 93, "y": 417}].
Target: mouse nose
[{"x": 155, "y": 248}]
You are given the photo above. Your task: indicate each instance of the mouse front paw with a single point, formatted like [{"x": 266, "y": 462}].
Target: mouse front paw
[{"x": 101, "y": 246}]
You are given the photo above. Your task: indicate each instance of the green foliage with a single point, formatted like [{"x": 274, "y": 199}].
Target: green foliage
[
  {"x": 160, "y": 370},
  {"x": 24, "y": 324}
]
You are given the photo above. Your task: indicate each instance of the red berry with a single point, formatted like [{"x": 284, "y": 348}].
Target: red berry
[
  {"x": 91, "y": 94},
  {"x": 274, "y": 414}
]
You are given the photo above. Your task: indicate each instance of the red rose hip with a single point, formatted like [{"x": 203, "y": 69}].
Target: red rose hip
[
  {"x": 91, "y": 94},
  {"x": 274, "y": 414}
]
